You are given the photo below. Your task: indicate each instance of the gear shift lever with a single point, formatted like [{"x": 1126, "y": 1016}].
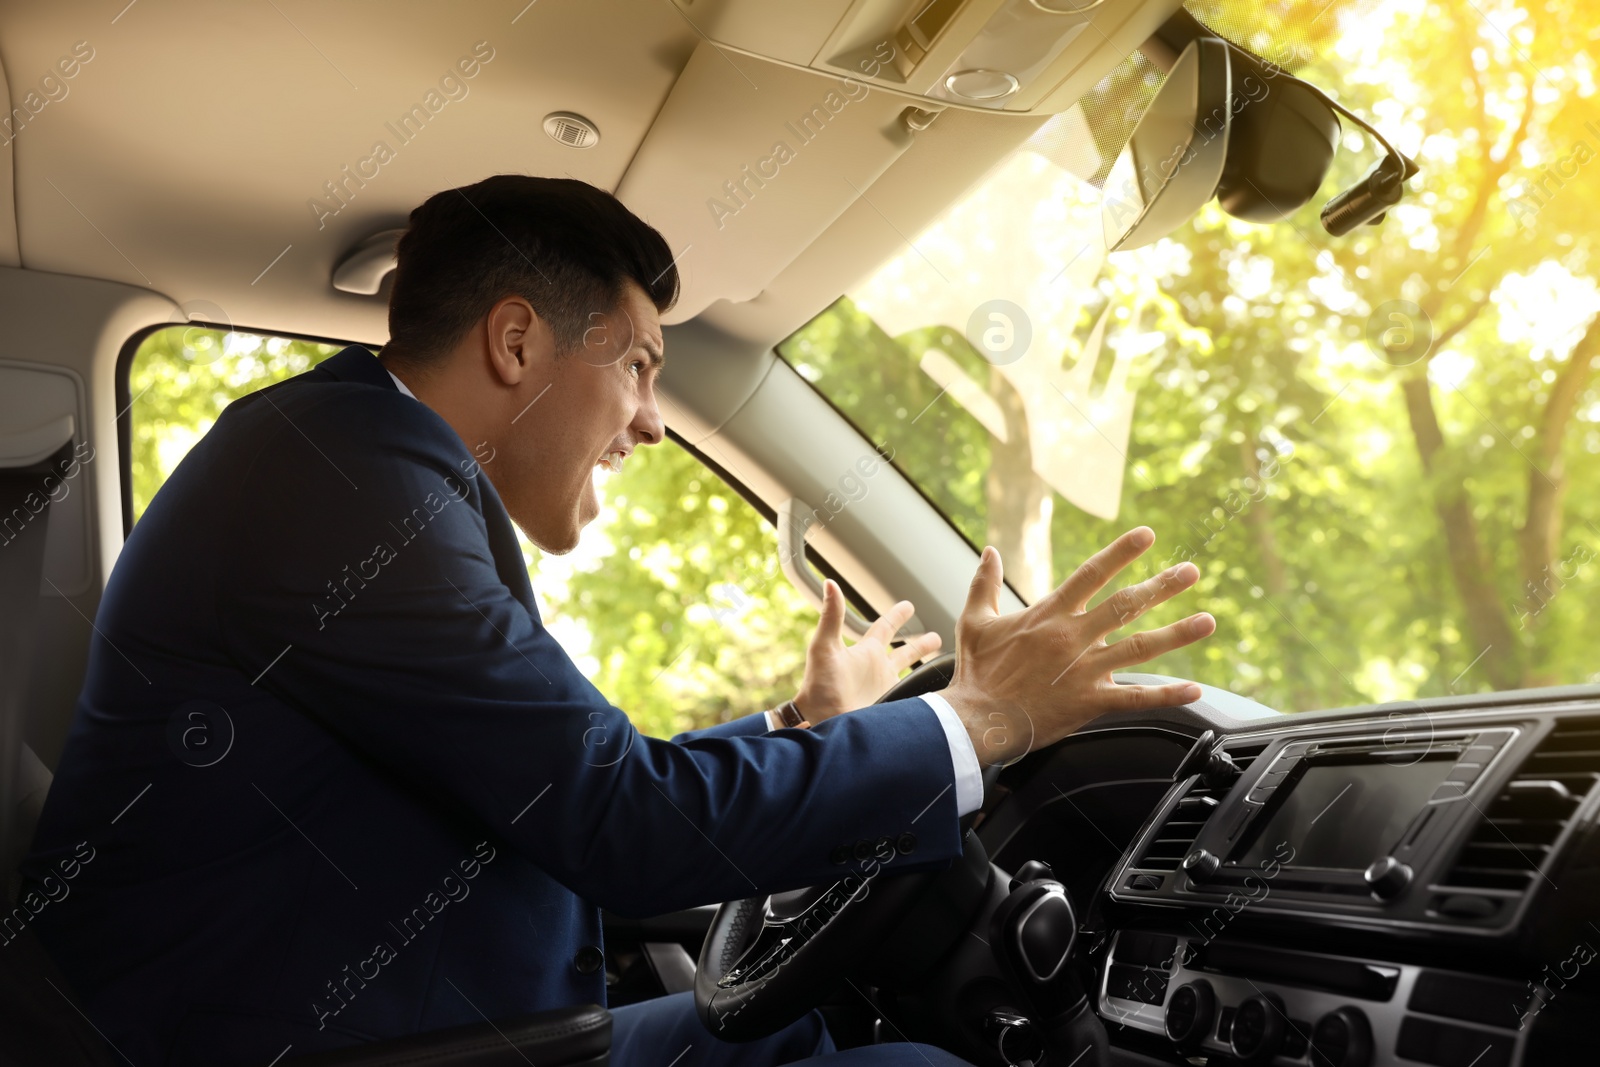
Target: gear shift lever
[{"x": 1033, "y": 933}]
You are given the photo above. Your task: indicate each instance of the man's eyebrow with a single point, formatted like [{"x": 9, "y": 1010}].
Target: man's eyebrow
[{"x": 652, "y": 348}]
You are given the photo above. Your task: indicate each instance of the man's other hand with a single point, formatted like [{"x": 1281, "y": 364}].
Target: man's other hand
[
  {"x": 840, "y": 677},
  {"x": 1026, "y": 680}
]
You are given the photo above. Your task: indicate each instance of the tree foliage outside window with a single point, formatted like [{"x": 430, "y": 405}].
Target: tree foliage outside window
[{"x": 1378, "y": 449}]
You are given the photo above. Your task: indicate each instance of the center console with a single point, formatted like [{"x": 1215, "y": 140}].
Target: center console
[{"x": 1412, "y": 833}]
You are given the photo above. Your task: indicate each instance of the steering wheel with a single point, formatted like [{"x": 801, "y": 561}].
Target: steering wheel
[{"x": 766, "y": 961}]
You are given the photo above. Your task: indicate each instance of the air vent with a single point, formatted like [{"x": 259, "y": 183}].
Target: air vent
[
  {"x": 1183, "y": 824},
  {"x": 1514, "y": 839}
]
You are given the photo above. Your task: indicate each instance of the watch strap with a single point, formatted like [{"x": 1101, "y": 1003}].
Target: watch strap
[{"x": 791, "y": 716}]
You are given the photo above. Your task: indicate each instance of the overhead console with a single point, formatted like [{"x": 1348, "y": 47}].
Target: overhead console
[
  {"x": 1016, "y": 56},
  {"x": 1367, "y": 892}
]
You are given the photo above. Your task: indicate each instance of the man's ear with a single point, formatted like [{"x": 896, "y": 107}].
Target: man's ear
[{"x": 520, "y": 343}]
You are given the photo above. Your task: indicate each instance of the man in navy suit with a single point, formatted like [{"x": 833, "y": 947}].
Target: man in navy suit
[{"x": 332, "y": 780}]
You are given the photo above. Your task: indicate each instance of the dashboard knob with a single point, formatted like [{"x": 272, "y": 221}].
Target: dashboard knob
[
  {"x": 1387, "y": 877},
  {"x": 1258, "y": 1030},
  {"x": 1190, "y": 1012},
  {"x": 1200, "y": 865},
  {"x": 1342, "y": 1039}
]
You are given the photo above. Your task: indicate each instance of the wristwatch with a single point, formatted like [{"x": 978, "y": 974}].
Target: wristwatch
[{"x": 790, "y": 716}]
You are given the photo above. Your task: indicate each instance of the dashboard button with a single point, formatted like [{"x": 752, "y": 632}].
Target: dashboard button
[
  {"x": 1467, "y": 906},
  {"x": 1342, "y": 1039},
  {"x": 1271, "y": 778},
  {"x": 1387, "y": 877},
  {"x": 1190, "y": 1013},
  {"x": 1258, "y": 1029},
  {"x": 1200, "y": 865}
]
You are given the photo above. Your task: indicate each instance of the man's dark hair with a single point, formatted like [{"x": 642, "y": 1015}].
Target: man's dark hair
[{"x": 561, "y": 244}]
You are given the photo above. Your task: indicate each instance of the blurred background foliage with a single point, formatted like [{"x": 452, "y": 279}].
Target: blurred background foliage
[
  {"x": 1371, "y": 523},
  {"x": 1368, "y": 527}
]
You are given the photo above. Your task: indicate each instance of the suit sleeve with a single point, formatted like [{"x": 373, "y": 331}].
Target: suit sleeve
[
  {"x": 744, "y": 726},
  {"x": 363, "y": 575}
]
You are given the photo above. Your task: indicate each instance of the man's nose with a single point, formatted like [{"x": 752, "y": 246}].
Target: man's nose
[{"x": 646, "y": 425}]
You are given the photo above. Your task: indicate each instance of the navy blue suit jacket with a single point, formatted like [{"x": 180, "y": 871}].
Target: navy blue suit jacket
[{"x": 330, "y": 779}]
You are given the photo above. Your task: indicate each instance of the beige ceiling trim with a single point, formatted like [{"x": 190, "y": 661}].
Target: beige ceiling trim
[{"x": 748, "y": 162}]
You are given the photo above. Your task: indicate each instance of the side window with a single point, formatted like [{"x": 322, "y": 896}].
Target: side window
[{"x": 673, "y": 602}]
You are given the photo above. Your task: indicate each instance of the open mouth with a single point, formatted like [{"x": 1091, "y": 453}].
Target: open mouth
[{"x": 611, "y": 462}]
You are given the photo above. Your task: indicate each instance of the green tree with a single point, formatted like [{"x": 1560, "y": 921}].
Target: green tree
[
  {"x": 689, "y": 618},
  {"x": 180, "y": 380},
  {"x": 1365, "y": 443}
]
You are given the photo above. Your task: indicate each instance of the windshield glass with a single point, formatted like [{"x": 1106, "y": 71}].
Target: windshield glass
[{"x": 1375, "y": 447}]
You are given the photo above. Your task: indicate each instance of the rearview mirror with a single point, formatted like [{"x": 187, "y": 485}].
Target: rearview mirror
[{"x": 1173, "y": 162}]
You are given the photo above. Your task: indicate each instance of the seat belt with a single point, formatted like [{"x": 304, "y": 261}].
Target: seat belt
[{"x": 29, "y": 461}]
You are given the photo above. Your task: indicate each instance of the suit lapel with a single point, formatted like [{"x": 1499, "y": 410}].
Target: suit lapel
[{"x": 508, "y": 561}]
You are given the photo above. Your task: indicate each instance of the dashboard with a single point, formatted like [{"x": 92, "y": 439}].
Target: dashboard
[{"x": 1412, "y": 885}]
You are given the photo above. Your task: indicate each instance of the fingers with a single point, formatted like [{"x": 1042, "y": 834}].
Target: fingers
[
  {"x": 1146, "y": 697},
  {"x": 920, "y": 647},
  {"x": 889, "y": 623},
  {"x": 1126, "y": 605},
  {"x": 1100, "y": 568},
  {"x": 830, "y": 628},
  {"x": 1143, "y": 647},
  {"x": 983, "y": 597}
]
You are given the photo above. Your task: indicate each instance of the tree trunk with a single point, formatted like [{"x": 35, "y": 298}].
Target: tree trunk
[
  {"x": 1488, "y": 628},
  {"x": 1275, "y": 575},
  {"x": 1539, "y": 539},
  {"x": 1020, "y": 503}
]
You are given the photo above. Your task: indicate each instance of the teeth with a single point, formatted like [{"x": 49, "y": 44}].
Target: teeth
[{"x": 612, "y": 461}]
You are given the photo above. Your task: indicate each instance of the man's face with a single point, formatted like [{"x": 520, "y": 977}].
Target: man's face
[{"x": 594, "y": 407}]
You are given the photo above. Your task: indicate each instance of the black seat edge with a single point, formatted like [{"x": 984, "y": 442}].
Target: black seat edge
[{"x": 563, "y": 1037}]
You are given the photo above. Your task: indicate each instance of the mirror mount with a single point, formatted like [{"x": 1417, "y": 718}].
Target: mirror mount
[{"x": 1167, "y": 43}]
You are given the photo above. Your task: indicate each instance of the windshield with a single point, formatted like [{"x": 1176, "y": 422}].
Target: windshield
[{"x": 1376, "y": 448}]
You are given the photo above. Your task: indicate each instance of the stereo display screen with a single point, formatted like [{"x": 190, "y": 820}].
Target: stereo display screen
[{"x": 1345, "y": 815}]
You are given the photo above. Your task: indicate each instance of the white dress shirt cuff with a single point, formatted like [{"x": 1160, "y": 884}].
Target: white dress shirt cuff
[{"x": 963, "y": 757}]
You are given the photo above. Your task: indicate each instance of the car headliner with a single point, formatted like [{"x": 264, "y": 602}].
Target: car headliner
[{"x": 186, "y": 155}]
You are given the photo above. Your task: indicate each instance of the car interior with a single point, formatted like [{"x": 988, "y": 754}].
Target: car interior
[{"x": 911, "y": 233}]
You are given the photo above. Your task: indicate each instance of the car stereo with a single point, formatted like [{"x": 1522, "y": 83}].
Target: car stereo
[{"x": 1350, "y": 820}]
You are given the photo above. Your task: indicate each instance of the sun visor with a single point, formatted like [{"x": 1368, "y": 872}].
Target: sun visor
[{"x": 748, "y": 162}]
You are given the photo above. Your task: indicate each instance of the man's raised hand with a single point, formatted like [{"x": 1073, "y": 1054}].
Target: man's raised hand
[
  {"x": 840, "y": 678},
  {"x": 1026, "y": 680}
]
